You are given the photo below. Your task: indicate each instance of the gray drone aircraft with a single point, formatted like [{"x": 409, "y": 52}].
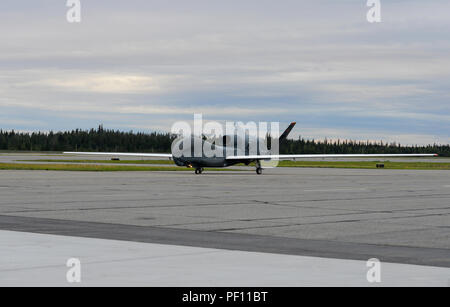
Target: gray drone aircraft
[{"x": 231, "y": 153}]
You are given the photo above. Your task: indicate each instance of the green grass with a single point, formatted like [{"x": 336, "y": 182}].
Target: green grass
[
  {"x": 364, "y": 165},
  {"x": 367, "y": 164},
  {"x": 94, "y": 168},
  {"x": 318, "y": 164},
  {"x": 168, "y": 162}
]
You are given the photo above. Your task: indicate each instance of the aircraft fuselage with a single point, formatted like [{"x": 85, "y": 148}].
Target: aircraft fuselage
[{"x": 189, "y": 159}]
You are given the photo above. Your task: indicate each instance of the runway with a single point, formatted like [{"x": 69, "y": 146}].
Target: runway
[{"x": 397, "y": 216}]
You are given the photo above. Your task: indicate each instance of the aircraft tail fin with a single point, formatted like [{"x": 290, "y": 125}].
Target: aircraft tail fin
[{"x": 287, "y": 131}]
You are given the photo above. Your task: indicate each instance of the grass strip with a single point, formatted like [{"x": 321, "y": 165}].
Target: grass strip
[{"x": 96, "y": 168}]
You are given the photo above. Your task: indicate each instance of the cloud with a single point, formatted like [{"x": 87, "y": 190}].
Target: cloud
[
  {"x": 131, "y": 64},
  {"x": 105, "y": 84}
]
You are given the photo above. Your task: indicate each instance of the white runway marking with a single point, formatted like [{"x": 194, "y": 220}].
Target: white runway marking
[{"x": 28, "y": 259}]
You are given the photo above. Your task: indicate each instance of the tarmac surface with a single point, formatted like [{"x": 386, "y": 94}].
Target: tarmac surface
[
  {"x": 400, "y": 216},
  {"x": 30, "y": 259}
]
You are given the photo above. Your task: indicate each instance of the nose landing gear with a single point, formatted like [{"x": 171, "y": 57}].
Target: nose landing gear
[{"x": 199, "y": 170}]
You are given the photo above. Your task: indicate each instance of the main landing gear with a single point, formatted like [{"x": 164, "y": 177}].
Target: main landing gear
[
  {"x": 199, "y": 170},
  {"x": 258, "y": 167}
]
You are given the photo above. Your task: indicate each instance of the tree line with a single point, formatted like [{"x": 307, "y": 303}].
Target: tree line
[
  {"x": 101, "y": 139},
  {"x": 86, "y": 140}
]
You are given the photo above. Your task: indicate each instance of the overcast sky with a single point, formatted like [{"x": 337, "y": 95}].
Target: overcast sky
[{"x": 143, "y": 65}]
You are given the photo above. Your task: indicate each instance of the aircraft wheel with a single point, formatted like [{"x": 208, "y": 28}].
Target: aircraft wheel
[
  {"x": 198, "y": 171},
  {"x": 259, "y": 170}
]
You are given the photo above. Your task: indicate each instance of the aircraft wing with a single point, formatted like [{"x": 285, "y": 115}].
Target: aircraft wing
[
  {"x": 301, "y": 156},
  {"x": 116, "y": 154}
]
